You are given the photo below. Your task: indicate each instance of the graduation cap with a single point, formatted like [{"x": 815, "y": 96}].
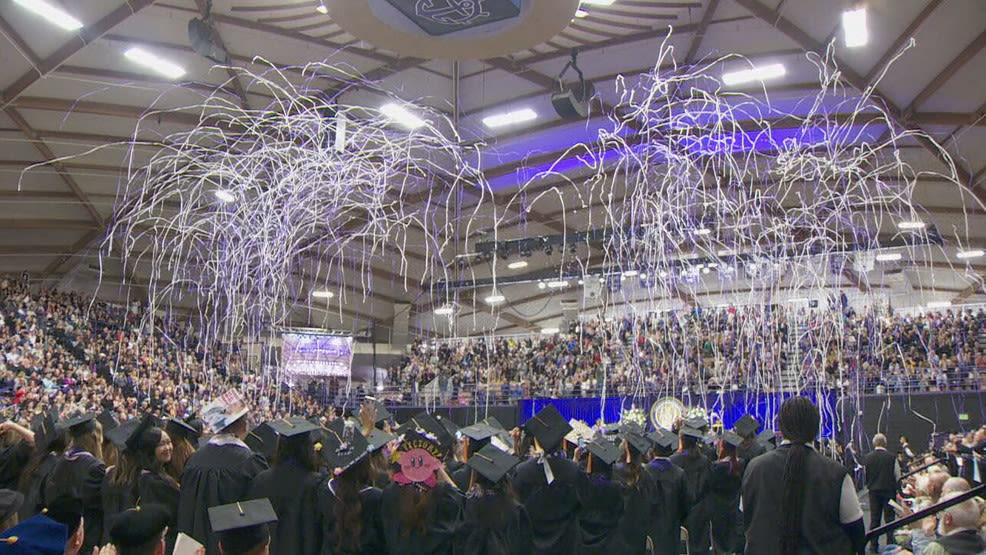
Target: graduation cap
[
  {"x": 663, "y": 438},
  {"x": 137, "y": 527},
  {"x": 631, "y": 426},
  {"x": 108, "y": 421},
  {"x": 133, "y": 438},
  {"x": 262, "y": 440},
  {"x": 180, "y": 428},
  {"x": 292, "y": 427},
  {"x": 121, "y": 434},
  {"x": 426, "y": 423},
  {"x": 548, "y": 427},
  {"x": 343, "y": 445},
  {"x": 76, "y": 422},
  {"x": 382, "y": 412},
  {"x": 451, "y": 427},
  {"x": 581, "y": 432},
  {"x": 46, "y": 430},
  {"x": 225, "y": 410},
  {"x": 731, "y": 439},
  {"x": 378, "y": 438},
  {"x": 697, "y": 422},
  {"x": 692, "y": 432},
  {"x": 637, "y": 440},
  {"x": 767, "y": 436},
  {"x": 38, "y": 535},
  {"x": 492, "y": 463},
  {"x": 492, "y": 422},
  {"x": 746, "y": 425},
  {"x": 242, "y": 526},
  {"x": 479, "y": 431},
  {"x": 419, "y": 457},
  {"x": 610, "y": 429},
  {"x": 604, "y": 450}
]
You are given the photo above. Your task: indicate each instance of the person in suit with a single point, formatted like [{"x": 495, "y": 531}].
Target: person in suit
[{"x": 882, "y": 473}]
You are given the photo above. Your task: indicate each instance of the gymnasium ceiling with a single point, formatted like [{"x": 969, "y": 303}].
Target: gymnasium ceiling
[{"x": 66, "y": 92}]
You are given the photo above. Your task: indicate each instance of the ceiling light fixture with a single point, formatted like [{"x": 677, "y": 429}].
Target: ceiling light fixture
[
  {"x": 517, "y": 264},
  {"x": 401, "y": 115},
  {"x": 888, "y": 257},
  {"x": 445, "y": 310},
  {"x": 54, "y": 14},
  {"x": 154, "y": 62},
  {"x": 509, "y": 118},
  {"x": 939, "y": 304},
  {"x": 762, "y": 73},
  {"x": 494, "y": 298},
  {"x": 549, "y": 331},
  {"x": 854, "y": 27},
  {"x": 580, "y": 13},
  {"x": 322, "y": 9},
  {"x": 974, "y": 253},
  {"x": 541, "y": 285},
  {"x": 703, "y": 231},
  {"x": 224, "y": 195},
  {"x": 323, "y": 294},
  {"x": 558, "y": 284},
  {"x": 910, "y": 225},
  {"x": 630, "y": 273}
]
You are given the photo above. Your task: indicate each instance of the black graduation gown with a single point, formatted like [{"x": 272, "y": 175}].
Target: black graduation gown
[
  {"x": 217, "y": 474},
  {"x": 291, "y": 489},
  {"x": 697, "y": 471},
  {"x": 553, "y": 508},
  {"x": 749, "y": 449},
  {"x": 724, "y": 495},
  {"x": 440, "y": 536},
  {"x": 32, "y": 490},
  {"x": 79, "y": 474},
  {"x": 599, "y": 518},
  {"x": 494, "y": 525},
  {"x": 669, "y": 505},
  {"x": 637, "y": 504},
  {"x": 151, "y": 488},
  {"x": 13, "y": 460},
  {"x": 371, "y": 533},
  {"x": 461, "y": 477}
]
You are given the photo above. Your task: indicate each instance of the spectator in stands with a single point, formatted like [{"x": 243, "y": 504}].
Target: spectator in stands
[{"x": 958, "y": 530}]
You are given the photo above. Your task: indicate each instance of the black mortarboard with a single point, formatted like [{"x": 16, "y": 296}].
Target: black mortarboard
[
  {"x": 343, "y": 445},
  {"x": 746, "y": 425},
  {"x": 242, "y": 526},
  {"x": 108, "y": 421},
  {"x": 382, "y": 412},
  {"x": 604, "y": 450},
  {"x": 610, "y": 429},
  {"x": 10, "y": 502},
  {"x": 479, "y": 431},
  {"x": 430, "y": 426},
  {"x": 637, "y": 440},
  {"x": 697, "y": 422},
  {"x": 691, "y": 431},
  {"x": 767, "y": 436},
  {"x": 118, "y": 436},
  {"x": 492, "y": 463},
  {"x": 663, "y": 438},
  {"x": 262, "y": 440},
  {"x": 78, "y": 420},
  {"x": 45, "y": 429},
  {"x": 631, "y": 426},
  {"x": 133, "y": 438},
  {"x": 138, "y": 527},
  {"x": 549, "y": 427},
  {"x": 732, "y": 439},
  {"x": 378, "y": 438},
  {"x": 180, "y": 428},
  {"x": 291, "y": 427},
  {"x": 492, "y": 422},
  {"x": 451, "y": 427}
]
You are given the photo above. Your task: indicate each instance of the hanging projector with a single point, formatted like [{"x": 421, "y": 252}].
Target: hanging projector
[
  {"x": 572, "y": 100},
  {"x": 203, "y": 39}
]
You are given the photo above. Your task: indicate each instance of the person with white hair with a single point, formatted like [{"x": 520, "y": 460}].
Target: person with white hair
[{"x": 957, "y": 532}]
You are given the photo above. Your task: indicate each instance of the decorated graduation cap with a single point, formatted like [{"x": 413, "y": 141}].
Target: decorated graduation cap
[
  {"x": 731, "y": 439},
  {"x": 343, "y": 444},
  {"x": 138, "y": 527},
  {"x": 38, "y": 535},
  {"x": 224, "y": 411},
  {"x": 581, "y": 432},
  {"x": 181, "y": 428},
  {"x": 242, "y": 526},
  {"x": 604, "y": 450},
  {"x": 492, "y": 463},
  {"x": 548, "y": 427},
  {"x": 428, "y": 425},
  {"x": 746, "y": 425},
  {"x": 419, "y": 457},
  {"x": 262, "y": 440},
  {"x": 378, "y": 439}
]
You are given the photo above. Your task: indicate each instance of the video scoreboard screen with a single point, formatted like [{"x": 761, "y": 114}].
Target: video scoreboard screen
[{"x": 316, "y": 355}]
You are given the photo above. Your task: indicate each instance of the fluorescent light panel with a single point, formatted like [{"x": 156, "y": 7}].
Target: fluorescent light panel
[
  {"x": 509, "y": 118},
  {"x": 225, "y": 196},
  {"x": 910, "y": 225},
  {"x": 558, "y": 284},
  {"x": 888, "y": 257},
  {"x": 549, "y": 331},
  {"x": 761, "y": 73},
  {"x": 517, "y": 264},
  {"x": 854, "y": 27},
  {"x": 630, "y": 273},
  {"x": 154, "y": 62},
  {"x": 494, "y": 298},
  {"x": 446, "y": 310},
  {"x": 703, "y": 231},
  {"x": 974, "y": 253},
  {"x": 939, "y": 304},
  {"x": 401, "y": 115},
  {"x": 323, "y": 294},
  {"x": 51, "y": 12}
]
